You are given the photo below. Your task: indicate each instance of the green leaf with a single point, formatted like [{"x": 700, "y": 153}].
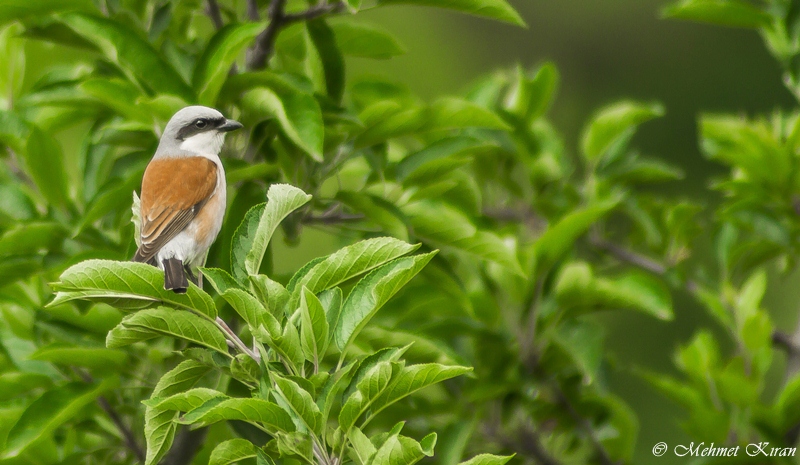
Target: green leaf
[
  {"x": 450, "y": 113},
  {"x": 373, "y": 384},
  {"x": 377, "y": 210},
  {"x": 251, "y": 310},
  {"x": 371, "y": 292},
  {"x": 488, "y": 459},
  {"x": 349, "y": 262},
  {"x": 219, "y": 55},
  {"x": 614, "y": 123},
  {"x": 300, "y": 403},
  {"x": 457, "y": 147},
  {"x": 244, "y": 409},
  {"x": 119, "y": 95},
  {"x": 313, "y": 327},
  {"x": 119, "y": 283},
  {"x": 251, "y": 238},
  {"x": 361, "y": 444},
  {"x": 95, "y": 358},
  {"x": 272, "y": 293},
  {"x": 495, "y": 9},
  {"x": 282, "y": 199},
  {"x": 413, "y": 378},
  {"x": 401, "y": 450},
  {"x": 45, "y": 161},
  {"x": 159, "y": 424},
  {"x": 21, "y": 10},
  {"x": 298, "y": 114},
  {"x": 184, "y": 401},
  {"x": 168, "y": 322},
  {"x": 12, "y": 55},
  {"x": 366, "y": 41},
  {"x": 232, "y": 451},
  {"x": 532, "y": 96},
  {"x": 332, "y": 60},
  {"x": 220, "y": 279},
  {"x": 51, "y": 410},
  {"x": 242, "y": 241},
  {"x": 31, "y": 238},
  {"x": 16, "y": 385},
  {"x": 558, "y": 238},
  {"x": 638, "y": 291},
  {"x": 135, "y": 56},
  {"x": 723, "y": 12}
]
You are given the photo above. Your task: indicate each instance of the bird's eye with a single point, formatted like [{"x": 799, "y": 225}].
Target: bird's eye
[{"x": 200, "y": 124}]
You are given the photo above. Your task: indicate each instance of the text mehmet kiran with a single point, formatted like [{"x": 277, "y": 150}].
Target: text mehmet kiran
[{"x": 757, "y": 449}]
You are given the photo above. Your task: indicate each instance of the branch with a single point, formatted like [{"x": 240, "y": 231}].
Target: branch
[
  {"x": 636, "y": 259},
  {"x": 252, "y": 10},
  {"x": 584, "y": 423},
  {"x": 213, "y": 12},
  {"x": 278, "y": 19},
  {"x": 232, "y": 337},
  {"x": 185, "y": 446},
  {"x": 127, "y": 435}
]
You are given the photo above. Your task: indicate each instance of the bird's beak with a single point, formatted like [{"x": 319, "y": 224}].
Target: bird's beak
[{"x": 230, "y": 125}]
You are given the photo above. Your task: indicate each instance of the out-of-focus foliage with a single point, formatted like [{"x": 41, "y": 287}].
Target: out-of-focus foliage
[{"x": 319, "y": 365}]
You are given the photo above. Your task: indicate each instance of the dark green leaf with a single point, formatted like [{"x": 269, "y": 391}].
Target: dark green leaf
[
  {"x": 362, "y": 40},
  {"x": 215, "y": 63},
  {"x": 124, "y": 47},
  {"x": 51, "y": 410},
  {"x": 723, "y": 12},
  {"x": 495, "y": 9}
]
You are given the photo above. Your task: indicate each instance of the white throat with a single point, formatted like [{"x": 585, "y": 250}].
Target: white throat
[{"x": 204, "y": 143}]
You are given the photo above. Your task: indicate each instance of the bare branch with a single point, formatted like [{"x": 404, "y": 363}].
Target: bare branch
[
  {"x": 252, "y": 10},
  {"x": 213, "y": 12},
  {"x": 584, "y": 424},
  {"x": 265, "y": 42},
  {"x": 127, "y": 435}
]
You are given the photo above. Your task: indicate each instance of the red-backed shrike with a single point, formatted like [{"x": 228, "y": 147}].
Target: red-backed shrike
[{"x": 183, "y": 195}]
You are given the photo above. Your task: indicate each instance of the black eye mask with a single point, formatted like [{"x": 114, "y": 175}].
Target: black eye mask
[{"x": 199, "y": 125}]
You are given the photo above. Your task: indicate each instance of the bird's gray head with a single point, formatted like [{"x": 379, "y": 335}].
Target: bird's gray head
[{"x": 193, "y": 131}]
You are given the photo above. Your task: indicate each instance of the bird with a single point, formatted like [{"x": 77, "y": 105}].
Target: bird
[{"x": 183, "y": 195}]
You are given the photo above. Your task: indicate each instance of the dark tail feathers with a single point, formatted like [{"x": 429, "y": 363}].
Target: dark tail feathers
[{"x": 175, "y": 276}]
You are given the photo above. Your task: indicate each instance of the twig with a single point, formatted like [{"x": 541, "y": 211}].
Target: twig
[
  {"x": 583, "y": 423},
  {"x": 127, "y": 435},
  {"x": 262, "y": 48},
  {"x": 232, "y": 337},
  {"x": 527, "y": 440},
  {"x": 278, "y": 19},
  {"x": 213, "y": 12},
  {"x": 252, "y": 10},
  {"x": 332, "y": 218},
  {"x": 636, "y": 259}
]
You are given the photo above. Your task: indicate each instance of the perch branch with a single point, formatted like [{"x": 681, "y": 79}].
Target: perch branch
[
  {"x": 232, "y": 337},
  {"x": 585, "y": 425}
]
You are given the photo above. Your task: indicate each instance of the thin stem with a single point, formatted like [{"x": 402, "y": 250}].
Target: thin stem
[
  {"x": 232, "y": 337},
  {"x": 585, "y": 425},
  {"x": 213, "y": 12},
  {"x": 252, "y": 10},
  {"x": 278, "y": 19},
  {"x": 127, "y": 435}
]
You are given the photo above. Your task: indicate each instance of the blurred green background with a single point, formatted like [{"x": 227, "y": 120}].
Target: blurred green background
[{"x": 606, "y": 51}]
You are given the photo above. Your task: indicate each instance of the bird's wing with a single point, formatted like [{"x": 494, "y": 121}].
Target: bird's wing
[{"x": 173, "y": 191}]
